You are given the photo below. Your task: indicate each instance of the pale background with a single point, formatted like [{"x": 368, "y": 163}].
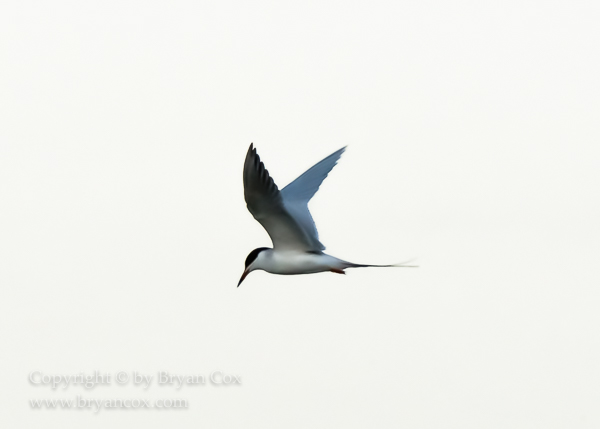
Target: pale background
[{"x": 473, "y": 144}]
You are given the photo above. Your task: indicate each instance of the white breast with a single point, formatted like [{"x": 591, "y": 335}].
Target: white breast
[{"x": 294, "y": 262}]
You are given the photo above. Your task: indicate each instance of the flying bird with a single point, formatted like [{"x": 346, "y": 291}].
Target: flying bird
[{"x": 285, "y": 216}]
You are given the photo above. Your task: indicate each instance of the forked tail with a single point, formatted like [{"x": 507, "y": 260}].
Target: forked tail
[{"x": 400, "y": 264}]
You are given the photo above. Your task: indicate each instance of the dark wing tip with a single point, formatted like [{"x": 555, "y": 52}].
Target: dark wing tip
[{"x": 258, "y": 184}]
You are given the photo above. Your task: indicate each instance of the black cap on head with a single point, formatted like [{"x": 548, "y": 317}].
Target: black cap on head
[{"x": 253, "y": 255}]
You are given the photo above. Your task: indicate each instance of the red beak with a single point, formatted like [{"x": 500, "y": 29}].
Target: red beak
[{"x": 246, "y": 272}]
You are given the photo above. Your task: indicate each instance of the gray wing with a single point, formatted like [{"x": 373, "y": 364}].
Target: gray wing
[
  {"x": 297, "y": 194},
  {"x": 266, "y": 204}
]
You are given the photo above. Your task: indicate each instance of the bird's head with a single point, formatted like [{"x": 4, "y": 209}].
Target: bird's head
[{"x": 253, "y": 262}]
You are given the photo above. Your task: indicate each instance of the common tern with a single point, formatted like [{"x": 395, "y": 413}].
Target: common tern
[{"x": 285, "y": 216}]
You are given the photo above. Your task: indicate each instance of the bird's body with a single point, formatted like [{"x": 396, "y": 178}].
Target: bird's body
[
  {"x": 284, "y": 215},
  {"x": 298, "y": 262}
]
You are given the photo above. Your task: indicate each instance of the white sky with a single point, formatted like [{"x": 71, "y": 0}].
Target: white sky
[{"x": 473, "y": 140}]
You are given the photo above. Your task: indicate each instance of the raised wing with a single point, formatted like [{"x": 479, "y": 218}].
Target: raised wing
[
  {"x": 265, "y": 203},
  {"x": 297, "y": 194}
]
